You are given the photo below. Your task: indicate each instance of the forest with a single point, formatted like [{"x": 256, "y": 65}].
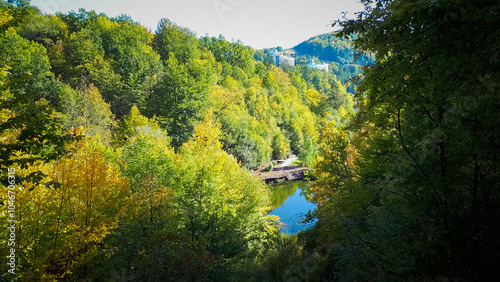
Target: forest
[{"x": 127, "y": 155}]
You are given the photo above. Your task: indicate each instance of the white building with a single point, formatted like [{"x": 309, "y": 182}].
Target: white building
[
  {"x": 323, "y": 66},
  {"x": 281, "y": 60}
]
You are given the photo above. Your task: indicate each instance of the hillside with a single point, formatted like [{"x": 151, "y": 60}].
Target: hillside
[
  {"x": 326, "y": 48},
  {"x": 330, "y": 48},
  {"x": 337, "y": 52},
  {"x": 142, "y": 143}
]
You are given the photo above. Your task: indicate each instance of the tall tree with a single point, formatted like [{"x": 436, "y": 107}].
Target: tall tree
[
  {"x": 61, "y": 228},
  {"x": 46, "y": 30},
  {"x": 30, "y": 127},
  {"x": 218, "y": 201},
  {"x": 170, "y": 38},
  {"x": 128, "y": 46},
  {"x": 179, "y": 101}
]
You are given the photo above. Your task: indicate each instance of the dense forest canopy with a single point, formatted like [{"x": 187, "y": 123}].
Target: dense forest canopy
[
  {"x": 126, "y": 154},
  {"x": 134, "y": 148}
]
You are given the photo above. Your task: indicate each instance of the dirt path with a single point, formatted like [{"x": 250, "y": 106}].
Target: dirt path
[{"x": 287, "y": 162}]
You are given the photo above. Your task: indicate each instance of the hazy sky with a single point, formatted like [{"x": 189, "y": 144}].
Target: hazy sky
[{"x": 258, "y": 23}]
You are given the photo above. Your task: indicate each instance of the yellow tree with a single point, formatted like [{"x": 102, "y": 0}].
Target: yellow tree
[
  {"x": 337, "y": 191},
  {"x": 87, "y": 108},
  {"x": 219, "y": 202},
  {"x": 65, "y": 217},
  {"x": 126, "y": 128}
]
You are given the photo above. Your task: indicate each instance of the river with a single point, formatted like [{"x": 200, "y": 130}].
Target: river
[{"x": 290, "y": 201}]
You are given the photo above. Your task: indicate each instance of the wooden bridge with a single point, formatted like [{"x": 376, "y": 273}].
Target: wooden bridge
[{"x": 290, "y": 172}]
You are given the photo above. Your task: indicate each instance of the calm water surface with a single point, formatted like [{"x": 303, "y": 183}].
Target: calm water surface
[{"x": 294, "y": 207}]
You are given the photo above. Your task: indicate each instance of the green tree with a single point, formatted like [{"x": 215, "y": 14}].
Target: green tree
[
  {"x": 234, "y": 54},
  {"x": 30, "y": 127},
  {"x": 127, "y": 46},
  {"x": 147, "y": 242},
  {"x": 148, "y": 155},
  {"x": 46, "y": 30},
  {"x": 178, "y": 101},
  {"x": 87, "y": 109},
  {"x": 218, "y": 200},
  {"x": 29, "y": 65},
  {"x": 81, "y": 20},
  {"x": 82, "y": 61},
  {"x": 170, "y": 38},
  {"x": 428, "y": 143},
  {"x": 127, "y": 127}
]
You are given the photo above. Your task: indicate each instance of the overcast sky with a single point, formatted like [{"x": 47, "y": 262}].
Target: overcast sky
[{"x": 258, "y": 23}]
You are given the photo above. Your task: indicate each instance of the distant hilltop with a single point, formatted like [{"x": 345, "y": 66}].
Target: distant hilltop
[
  {"x": 324, "y": 52},
  {"x": 329, "y": 48}
]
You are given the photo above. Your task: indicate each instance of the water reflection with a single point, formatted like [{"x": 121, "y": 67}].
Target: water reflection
[{"x": 294, "y": 208}]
